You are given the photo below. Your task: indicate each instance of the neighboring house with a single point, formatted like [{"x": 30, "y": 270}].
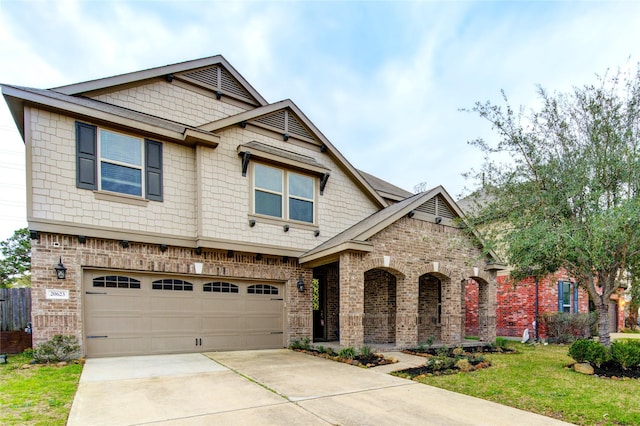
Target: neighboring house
[
  {"x": 192, "y": 215},
  {"x": 519, "y": 304}
]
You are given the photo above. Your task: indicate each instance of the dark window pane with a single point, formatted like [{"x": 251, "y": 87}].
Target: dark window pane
[
  {"x": 121, "y": 179},
  {"x": 268, "y": 204},
  {"x": 300, "y": 210}
]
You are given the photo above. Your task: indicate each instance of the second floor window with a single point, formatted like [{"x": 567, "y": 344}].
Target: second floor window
[
  {"x": 283, "y": 194},
  {"x": 120, "y": 163},
  {"x": 116, "y": 162}
]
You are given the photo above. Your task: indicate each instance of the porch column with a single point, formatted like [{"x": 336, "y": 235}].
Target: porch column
[
  {"x": 351, "y": 300},
  {"x": 452, "y": 330},
  {"x": 487, "y": 301},
  {"x": 407, "y": 311}
]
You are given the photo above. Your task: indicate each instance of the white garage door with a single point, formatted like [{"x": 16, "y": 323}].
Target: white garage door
[{"x": 129, "y": 314}]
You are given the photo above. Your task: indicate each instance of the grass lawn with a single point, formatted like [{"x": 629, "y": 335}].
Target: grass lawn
[
  {"x": 41, "y": 395},
  {"x": 536, "y": 380}
]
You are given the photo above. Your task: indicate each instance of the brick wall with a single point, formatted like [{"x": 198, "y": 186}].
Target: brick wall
[
  {"x": 515, "y": 309},
  {"x": 52, "y": 317}
]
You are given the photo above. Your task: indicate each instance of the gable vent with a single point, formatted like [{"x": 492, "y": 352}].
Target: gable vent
[
  {"x": 438, "y": 207},
  {"x": 276, "y": 120},
  {"x": 218, "y": 78},
  {"x": 296, "y": 128},
  {"x": 285, "y": 122}
]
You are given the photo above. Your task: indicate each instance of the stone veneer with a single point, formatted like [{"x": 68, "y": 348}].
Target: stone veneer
[{"x": 51, "y": 317}]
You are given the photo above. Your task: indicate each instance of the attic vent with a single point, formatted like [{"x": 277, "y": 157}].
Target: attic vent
[
  {"x": 438, "y": 207},
  {"x": 296, "y": 128},
  {"x": 218, "y": 78},
  {"x": 276, "y": 120},
  {"x": 285, "y": 122}
]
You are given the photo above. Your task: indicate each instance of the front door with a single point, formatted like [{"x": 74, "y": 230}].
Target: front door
[{"x": 319, "y": 291}]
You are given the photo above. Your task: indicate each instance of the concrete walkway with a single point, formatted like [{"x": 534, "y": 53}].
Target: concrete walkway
[{"x": 269, "y": 387}]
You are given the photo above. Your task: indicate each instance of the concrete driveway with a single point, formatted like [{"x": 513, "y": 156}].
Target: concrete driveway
[{"x": 268, "y": 387}]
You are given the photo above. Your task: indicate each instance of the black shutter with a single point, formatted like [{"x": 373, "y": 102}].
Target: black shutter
[
  {"x": 153, "y": 170},
  {"x": 86, "y": 156}
]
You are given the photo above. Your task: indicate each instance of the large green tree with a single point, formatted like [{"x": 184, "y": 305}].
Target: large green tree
[
  {"x": 561, "y": 185},
  {"x": 15, "y": 264}
]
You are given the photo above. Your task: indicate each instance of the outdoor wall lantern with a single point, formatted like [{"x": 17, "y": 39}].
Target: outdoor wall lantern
[
  {"x": 300, "y": 285},
  {"x": 61, "y": 271}
]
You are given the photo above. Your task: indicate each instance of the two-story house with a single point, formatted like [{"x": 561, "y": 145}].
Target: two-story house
[{"x": 175, "y": 210}]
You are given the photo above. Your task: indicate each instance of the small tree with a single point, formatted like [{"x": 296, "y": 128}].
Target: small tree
[
  {"x": 568, "y": 195},
  {"x": 15, "y": 265}
]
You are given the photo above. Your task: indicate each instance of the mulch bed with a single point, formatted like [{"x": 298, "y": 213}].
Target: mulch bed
[
  {"x": 614, "y": 371},
  {"x": 368, "y": 361}
]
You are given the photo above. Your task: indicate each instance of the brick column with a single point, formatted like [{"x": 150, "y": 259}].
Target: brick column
[
  {"x": 407, "y": 312},
  {"x": 452, "y": 331},
  {"x": 351, "y": 300},
  {"x": 487, "y": 301}
]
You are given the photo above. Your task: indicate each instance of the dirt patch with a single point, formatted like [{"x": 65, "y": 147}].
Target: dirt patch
[{"x": 613, "y": 370}]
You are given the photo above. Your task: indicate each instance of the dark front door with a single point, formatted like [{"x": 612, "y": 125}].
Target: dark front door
[{"x": 319, "y": 289}]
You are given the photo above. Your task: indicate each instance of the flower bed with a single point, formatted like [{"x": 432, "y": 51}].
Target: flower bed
[{"x": 362, "y": 358}]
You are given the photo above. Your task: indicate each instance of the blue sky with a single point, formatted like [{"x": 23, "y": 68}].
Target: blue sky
[{"x": 384, "y": 81}]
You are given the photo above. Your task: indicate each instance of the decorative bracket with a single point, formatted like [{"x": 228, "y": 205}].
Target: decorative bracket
[
  {"x": 323, "y": 182},
  {"x": 245, "y": 162}
]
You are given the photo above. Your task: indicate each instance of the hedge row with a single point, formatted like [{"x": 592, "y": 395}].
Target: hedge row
[{"x": 626, "y": 353}]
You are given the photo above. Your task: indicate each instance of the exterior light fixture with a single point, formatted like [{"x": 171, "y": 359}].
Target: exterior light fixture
[
  {"x": 438, "y": 219},
  {"x": 285, "y": 136},
  {"x": 300, "y": 285},
  {"x": 229, "y": 253},
  {"x": 286, "y": 228},
  {"x": 61, "y": 271},
  {"x": 198, "y": 251},
  {"x": 252, "y": 222},
  {"x": 411, "y": 214},
  {"x": 218, "y": 94},
  {"x": 82, "y": 239},
  {"x": 163, "y": 247},
  {"x": 124, "y": 243},
  {"x": 316, "y": 233},
  {"x": 34, "y": 235}
]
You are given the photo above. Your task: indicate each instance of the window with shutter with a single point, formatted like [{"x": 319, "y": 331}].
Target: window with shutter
[{"x": 116, "y": 162}]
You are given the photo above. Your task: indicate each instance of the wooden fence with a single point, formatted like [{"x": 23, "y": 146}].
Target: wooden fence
[{"x": 15, "y": 308}]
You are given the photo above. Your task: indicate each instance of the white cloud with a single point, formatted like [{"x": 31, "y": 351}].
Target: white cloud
[{"x": 384, "y": 81}]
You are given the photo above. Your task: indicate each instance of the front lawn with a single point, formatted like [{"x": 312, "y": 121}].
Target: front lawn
[
  {"x": 536, "y": 379},
  {"x": 40, "y": 395}
]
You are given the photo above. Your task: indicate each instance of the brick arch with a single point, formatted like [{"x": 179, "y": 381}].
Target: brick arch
[
  {"x": 476, "y": 274},
  {"x": 443, "y": 271},
  {"x": 395, "y": 267}
]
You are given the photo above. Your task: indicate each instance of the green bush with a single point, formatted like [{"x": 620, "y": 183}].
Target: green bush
[
  {"x": 366, "y": 351},
  {"x": 304, "y": 344},
  {"x": 626, "y": 353},
  {"x": 347, "y": 353},
  {"x": 590, "y": 351},
  {"x": 501, "y": 342},
  {"x": 58, "y": 348}
]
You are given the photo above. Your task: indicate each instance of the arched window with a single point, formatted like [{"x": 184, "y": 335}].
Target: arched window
[
  {"x": 171, "y": 284},
  {"x": 116, "y": 281},
  {"x": 220, "y": 287},
  {"x": 262, "y": 289}
]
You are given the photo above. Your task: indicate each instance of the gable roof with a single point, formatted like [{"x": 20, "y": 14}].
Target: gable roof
[
  {"x": 386, "y": 189},
  {"x": 95, "y": 110},
  {"x": 203, "y": 72},
  {"x": 355, "y": 238},
  {"x": 314, "y": 136}
]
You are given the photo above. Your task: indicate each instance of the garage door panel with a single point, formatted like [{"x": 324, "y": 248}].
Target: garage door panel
[
  {"x": 114, "y": 346},
  {"x": 160, "y": 314},
  {"x": 173, "y": 344}
]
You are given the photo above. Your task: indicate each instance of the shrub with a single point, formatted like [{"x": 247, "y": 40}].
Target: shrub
[
  {"x": 58, "y": 348},
  {"x": 590, "y": 351},
  {"x": 347, "y": 353},
  {"x": 304, "y": 344},
  {"x": 626, "y": 353},
  {"x": 501, "y": 342},
  {"x": 564, "y": 327},
  {"x": 366, "y": 351}
]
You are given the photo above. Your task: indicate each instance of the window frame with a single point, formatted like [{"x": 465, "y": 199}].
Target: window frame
[
  {"x": 101, "y": 159},
  {"x": 89, "y": 163},
  {"x": 285, "y": 194}
]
